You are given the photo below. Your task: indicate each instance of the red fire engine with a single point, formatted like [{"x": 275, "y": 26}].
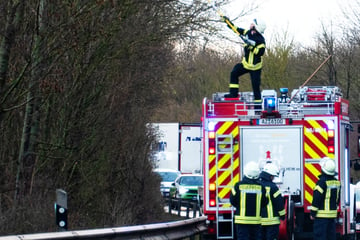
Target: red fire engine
[{"x": 295, "y": 132}]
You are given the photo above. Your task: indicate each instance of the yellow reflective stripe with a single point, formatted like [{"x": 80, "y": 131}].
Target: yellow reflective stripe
[
  {"x": 314, "y": 208},
  {"x": 249, "y": 65},
  {"x": 277, "y": 193},
  {"x": 258, "y": 204},
  {"x": 318, "y": 188},
  {"x": 247, "y": 220},
  {"x": 242, "y": 203},
  {"x": 270, "y": 221},
  {"x": 282, "y": 212},
  {"x": 326, "y": 214},
  {"x": 232, "y": 85},
  {"x": 269, "y": 206},
  {"x": 244, "y": 190},
  {"x": 257, "y": 49}
]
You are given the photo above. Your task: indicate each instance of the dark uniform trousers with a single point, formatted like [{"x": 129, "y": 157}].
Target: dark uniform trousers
[
  {"x": 272, "y": 232},
  {"x": 324, "y": 225},
  {"x": 238, "y": 71},
  {"x": 248, "y": 231}
]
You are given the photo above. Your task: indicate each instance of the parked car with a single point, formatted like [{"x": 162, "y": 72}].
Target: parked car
[
  {"x": 186, "y": 186},
  {"x": 168, "y": 176}
]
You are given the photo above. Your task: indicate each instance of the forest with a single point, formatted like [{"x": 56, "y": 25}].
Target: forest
[{"x": 81, "y": 80}]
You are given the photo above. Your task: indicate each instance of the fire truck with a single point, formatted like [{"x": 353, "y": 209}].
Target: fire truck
[{"x": 293, "y": 130}]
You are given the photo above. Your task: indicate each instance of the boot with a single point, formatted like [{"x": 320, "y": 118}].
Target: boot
[{"x": 233, "y": 93}]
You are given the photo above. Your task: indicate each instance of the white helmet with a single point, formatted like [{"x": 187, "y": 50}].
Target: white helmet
[
  {"x": 252, "y": 170},
  {"x": 271, "y": 169},
  {"x": 260, "y": 25},
  {"x": 328, "y": 166}
]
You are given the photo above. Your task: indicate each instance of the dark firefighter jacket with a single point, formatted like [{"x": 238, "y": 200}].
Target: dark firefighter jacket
[
  {"x": 326, "y": 197},
  {"x": 270, "y": 215},
  {"x": 252, "y": 59},
  {"x": 248, "y": 197}
]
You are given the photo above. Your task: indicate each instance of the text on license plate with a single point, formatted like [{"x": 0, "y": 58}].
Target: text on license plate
[{"x": 271, "y": 121}]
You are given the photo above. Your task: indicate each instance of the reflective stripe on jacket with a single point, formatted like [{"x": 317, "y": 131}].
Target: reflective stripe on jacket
[
  {"x": 248, "y": 196},
  {"x": 326, "y": 197},
  {"x": 252, "y": 59},
  {"x": 275, "y": 207}
]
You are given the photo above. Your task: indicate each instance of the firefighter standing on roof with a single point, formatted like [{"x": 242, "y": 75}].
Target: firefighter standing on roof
[
  {"x": 254, "y": 49},
  {"x": 248, "y": 197},
  {"x": 325, "y": 202},
  {"x": 274, "y": 210}
]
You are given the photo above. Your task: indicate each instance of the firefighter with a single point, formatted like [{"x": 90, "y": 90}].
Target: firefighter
[
  {"x": 254, "y": 49},
  {"x": 248, "y": 197},
  {"x": 325, "y": 202},
  {"x": 274, "y": 210}
]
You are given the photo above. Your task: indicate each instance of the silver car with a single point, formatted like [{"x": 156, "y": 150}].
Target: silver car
[{"x": 168, "y": 176}]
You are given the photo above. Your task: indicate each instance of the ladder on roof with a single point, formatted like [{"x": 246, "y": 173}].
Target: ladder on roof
[{"x": 225, "y": 149}]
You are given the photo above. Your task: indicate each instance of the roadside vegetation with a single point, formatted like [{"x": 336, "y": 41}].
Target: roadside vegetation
[{"x": 80, "y": 80}]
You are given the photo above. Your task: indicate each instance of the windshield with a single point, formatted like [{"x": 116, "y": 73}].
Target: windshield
[
  {"x": 168, "y": 176},
  {"x": 191, "y": 181}
]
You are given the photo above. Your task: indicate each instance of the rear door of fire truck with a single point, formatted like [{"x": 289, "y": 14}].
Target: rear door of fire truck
[
  {"x": 232, "y": 144},
  {"x": 281, "y": 145}
]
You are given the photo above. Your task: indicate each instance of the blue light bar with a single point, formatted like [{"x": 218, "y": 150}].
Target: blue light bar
[{"x": 284, "y": 90}]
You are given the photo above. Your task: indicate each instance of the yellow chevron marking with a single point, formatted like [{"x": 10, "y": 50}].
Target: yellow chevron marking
[
  {"x": 308, "y": 197},
  {"x": 211, "y": 158},
  {"x": 309, "y": 182},
  {"x": 312, "y": 169},
  {"x": 221, "y": 164},
  {"x": 224, "y": 127},
  {"x": 224, "y": 176},
  {"x": 310, "y": 151},
  {"x": 315, "y": 124},
  {"x": 317, "y": 142}
]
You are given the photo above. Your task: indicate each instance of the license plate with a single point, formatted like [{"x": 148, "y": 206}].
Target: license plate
[{"x": 271, "y": 121}]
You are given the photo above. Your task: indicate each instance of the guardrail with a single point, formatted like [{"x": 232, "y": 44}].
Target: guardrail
[
  {"x": 175, "y": 205},
  {"x": 169, "y": 230}
]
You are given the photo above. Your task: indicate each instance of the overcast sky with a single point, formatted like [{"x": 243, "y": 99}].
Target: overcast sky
[{"x": 300, "y": 18}]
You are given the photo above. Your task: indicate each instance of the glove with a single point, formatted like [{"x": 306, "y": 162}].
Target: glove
[
  {"x": 225, "y": 18},
  {"x": 282, "y": 218},
  {"x": 227, "y": 21},
  {"x": 248, "y": 41}
]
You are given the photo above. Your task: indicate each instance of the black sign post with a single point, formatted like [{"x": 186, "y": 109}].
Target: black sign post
[{"x": 61, "y": 209}]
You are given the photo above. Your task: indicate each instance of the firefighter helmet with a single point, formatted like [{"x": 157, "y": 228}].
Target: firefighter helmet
[
  {"x": 260, "y": 25},
  {"x": 252, "y": 170},
  {"x": 328, "y": 166},
  {"x": 271, "y": 169}
]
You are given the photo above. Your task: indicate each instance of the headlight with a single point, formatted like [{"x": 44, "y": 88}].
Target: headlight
[{"x": 182, "y": 190}]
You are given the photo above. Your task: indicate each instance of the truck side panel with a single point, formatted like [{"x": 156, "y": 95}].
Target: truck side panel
[{"x": 190, "y": 154}]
